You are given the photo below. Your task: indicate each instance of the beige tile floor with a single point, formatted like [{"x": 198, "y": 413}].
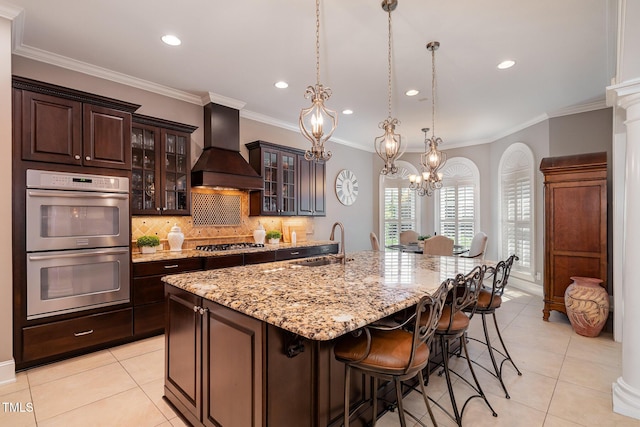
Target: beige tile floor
[{"x": 566, "y": 381}]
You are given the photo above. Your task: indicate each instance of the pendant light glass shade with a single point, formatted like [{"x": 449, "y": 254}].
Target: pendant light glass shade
[
  {"x": 389, "y": 145},
  {"x": 317, "y": 123}
]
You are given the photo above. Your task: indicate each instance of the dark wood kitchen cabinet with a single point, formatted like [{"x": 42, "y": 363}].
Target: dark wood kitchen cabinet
[
  {"x": 277, "y": 165},
  {"x": 161, "y": 156},
  {"x": 148, "y": 292},
  {"x": 311, "y": 187},
  {"x": 224, "y": 368},
  {"x": 213, "y": 369},
  {"x": 60, "y": 125},
  {"x": 575, "y": 244}
]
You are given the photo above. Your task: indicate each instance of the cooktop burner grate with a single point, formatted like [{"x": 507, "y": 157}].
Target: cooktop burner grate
[{"x": 228, "y": 246}]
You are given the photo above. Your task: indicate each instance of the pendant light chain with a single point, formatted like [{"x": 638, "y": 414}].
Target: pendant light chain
[
  {"x": 433, "y": 92},
  {"x": 318, "y": 42},
  {"x": 389, "y": 62}
]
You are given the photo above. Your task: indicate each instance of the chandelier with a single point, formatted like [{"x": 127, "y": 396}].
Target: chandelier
[
  {"x": 389, "y": 145},
  {"x": 313, "y": 120},
  {"x": 432, "y": 160}
]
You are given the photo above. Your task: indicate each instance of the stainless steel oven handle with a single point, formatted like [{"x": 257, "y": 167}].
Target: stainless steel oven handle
[
  {"x": 71, "y": 195},
  {"x": 75, "y": 255}
]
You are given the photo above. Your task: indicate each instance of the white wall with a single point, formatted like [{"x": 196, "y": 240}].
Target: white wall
[{"x": 7, "y": 367}]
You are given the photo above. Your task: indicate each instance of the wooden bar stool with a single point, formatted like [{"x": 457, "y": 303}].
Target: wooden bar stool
[
  {"x": 452, "y": 326},
  {"x": 488, "y": 301},
  {"x": 393, "y": 353}
]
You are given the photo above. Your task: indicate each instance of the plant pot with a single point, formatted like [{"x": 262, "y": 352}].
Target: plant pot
[
  {"x": 147, "y": 249},
  {"x": 274, "y": 241},
  {"x": 587, "y": 304}
]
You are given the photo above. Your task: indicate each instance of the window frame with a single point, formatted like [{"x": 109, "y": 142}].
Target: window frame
[
  {"x": 519, "y": 150},
  {"x": 459, "y": 171},
  {"x": 401, "y": 180}
]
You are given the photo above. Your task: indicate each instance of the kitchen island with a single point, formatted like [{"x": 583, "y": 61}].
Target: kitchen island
[{"x": 252, "y": 345}]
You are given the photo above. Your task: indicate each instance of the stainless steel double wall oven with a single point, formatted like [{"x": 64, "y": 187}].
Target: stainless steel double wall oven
[{"x": 77, "y": 242}]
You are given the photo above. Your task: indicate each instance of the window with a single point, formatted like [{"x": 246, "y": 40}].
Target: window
[
  {"x": 516, "y": 206},
  {"x": 457, "y": 207},
  {"x": 400, "y": 205}
]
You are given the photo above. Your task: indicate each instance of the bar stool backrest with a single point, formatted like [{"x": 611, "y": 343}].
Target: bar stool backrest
[
  {"x": 501, "y": 273},
  {"x": 464, "y": 294},
  {"x": 428, "y": 312}
]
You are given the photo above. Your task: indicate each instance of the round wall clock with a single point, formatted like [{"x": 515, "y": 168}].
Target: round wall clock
[{"x": 346, "y": 187}]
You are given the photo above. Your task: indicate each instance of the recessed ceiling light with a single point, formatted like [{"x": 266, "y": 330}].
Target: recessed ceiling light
[
  {"x": 171, "y": 40},
  {"x": 412, "y": 92},
  {"x": 347, "y": 111},
  {"x": 281, "y": 85},
  {"x": 506, "y": 64}
]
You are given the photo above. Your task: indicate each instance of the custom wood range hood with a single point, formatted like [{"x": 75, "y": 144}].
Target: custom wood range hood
[{"x": 221, "y": 165}]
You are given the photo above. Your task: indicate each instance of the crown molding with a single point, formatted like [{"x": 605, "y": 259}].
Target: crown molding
[
  {"x": 104, "y": 73},
  {"x": 577, "y": 109},
  {"x": 222, "y": 100},
  {"x": 9, "y": 11}
]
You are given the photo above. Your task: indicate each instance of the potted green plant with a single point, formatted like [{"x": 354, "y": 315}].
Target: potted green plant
[
  {"x": 148, "y": 244},
  {"x": 273, "y": 236}
]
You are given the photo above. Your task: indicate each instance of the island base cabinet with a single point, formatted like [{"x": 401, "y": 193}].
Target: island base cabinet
[
  {"x": 232, "y": 368},
  {"x": 183, "y": 361},
  {"x": 226, "y": 369}
]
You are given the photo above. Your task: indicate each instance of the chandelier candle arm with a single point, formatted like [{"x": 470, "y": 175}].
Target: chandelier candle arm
[
  {"x": 314, "y": 120},
  {"x": 389, "y": 145}
]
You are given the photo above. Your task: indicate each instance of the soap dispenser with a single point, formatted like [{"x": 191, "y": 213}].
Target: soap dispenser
[
  {"x": 259, "y": 234},
  {"x": 175, "y": 238}
]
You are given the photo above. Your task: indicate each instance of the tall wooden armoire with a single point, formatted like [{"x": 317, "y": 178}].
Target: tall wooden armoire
[{"x": 575, "y": 243}]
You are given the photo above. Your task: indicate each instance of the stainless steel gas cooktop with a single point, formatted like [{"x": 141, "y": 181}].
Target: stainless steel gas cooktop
[{"x": 229, "y": 246}]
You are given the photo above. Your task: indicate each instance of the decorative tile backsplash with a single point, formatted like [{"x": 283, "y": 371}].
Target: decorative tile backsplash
[{"x": 202, "y": 235}]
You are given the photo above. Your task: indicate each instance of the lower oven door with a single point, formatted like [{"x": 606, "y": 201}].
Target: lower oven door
[{"x": 66, "y": 281}]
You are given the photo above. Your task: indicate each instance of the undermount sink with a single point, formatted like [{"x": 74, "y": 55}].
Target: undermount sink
[{"x": 315, "y": 262}]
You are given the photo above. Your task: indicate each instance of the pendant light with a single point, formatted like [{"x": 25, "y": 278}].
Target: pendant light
[
  {"x": 389, "y": 145},
  {"x": 432, "y": 160},
  {"x": 315, "y": 119}
]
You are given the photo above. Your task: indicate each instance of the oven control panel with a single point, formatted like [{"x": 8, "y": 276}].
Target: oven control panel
[{"x": 75, "y": 181}]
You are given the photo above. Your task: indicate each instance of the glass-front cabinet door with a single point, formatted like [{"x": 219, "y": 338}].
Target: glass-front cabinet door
[
  {"x": 176, "y": 173},
  {"x": 278, "y": 170},
  {"x": 288, "y": 184},
  {"x": 144, "y": 154},
  {"x": 160, "y": 175}
]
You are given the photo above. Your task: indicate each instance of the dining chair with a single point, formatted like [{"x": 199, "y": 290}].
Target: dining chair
[
  {"x": 438, "y": 245},
  {"x": 393, "y": 353},
  {"x": 408, "y": 236},
  {"x": 375, "y": 245},
  {"x": 478, "y": 246},
  {"x": 488, "y": 301},
  {"x": 453, "y": 326}
]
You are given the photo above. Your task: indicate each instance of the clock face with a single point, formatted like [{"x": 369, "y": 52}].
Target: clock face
[{"x": 346, "y": 187}]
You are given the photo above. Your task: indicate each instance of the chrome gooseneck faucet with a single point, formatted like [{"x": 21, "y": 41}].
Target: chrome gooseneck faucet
[{"x": 341, "y": 255}]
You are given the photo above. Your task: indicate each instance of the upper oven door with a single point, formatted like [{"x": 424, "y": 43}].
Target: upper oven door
[{"x": 76, "y": 220}]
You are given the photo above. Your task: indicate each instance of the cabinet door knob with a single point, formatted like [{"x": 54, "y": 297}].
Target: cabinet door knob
[
  {"x": 203, "y": 310},
  {"x": 196, "y": 308},
  {"x": 88, "y": 158},
  {"x": 77, "y": 156},
  {"x": 158, "y": 208}
]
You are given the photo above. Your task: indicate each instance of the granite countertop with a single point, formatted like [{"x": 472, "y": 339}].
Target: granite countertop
[
  {"x": 191, "y": 253},
  {"x": 324, "y": 302}
]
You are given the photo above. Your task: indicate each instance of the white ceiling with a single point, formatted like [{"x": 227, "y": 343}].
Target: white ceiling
[{"x": 564, "y": 49}]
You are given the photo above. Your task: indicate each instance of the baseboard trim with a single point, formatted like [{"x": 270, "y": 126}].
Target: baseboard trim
[
  {"x": 626, "y": 399},
  {"x": 526, "y": 286},
  {"x": 7, "y": 372}
]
